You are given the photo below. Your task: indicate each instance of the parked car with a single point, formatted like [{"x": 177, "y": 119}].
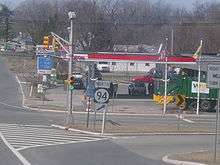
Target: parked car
[
  {"x": 149, "y": 77},
  {"x": 79, "y": 83},
  {"x": 144, "y": 79},
  {"x": 137, "y": 88},
  {"x": 103, "y": 66}
]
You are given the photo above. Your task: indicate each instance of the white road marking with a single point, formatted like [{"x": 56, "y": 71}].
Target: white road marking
[
  {"x": 23, "y": 137},
  {"x": 17, "y": 154},
  {"x": 13, "y": 106},
  {"x": 186, "y": 120}
]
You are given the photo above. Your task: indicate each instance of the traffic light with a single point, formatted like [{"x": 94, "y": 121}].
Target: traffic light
[
  {"x": 46, "y": 42},
  {"x": 71, "y": 83},
  {"x": 55, "y": 44}
]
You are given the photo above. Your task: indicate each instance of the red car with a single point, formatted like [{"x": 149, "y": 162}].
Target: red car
[{"x": 144, "y": 79}]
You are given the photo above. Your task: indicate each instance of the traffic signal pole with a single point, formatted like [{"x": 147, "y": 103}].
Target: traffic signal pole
[{"x": 69, "y": 119}]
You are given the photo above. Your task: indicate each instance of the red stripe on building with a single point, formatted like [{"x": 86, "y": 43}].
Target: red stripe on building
[{"x": 127, "y": 57}]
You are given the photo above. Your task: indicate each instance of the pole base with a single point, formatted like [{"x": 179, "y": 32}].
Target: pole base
[{"x": 69, "y": 120}]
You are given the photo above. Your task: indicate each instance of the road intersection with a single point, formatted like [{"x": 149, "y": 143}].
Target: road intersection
[{"x": 31, "y": 136}]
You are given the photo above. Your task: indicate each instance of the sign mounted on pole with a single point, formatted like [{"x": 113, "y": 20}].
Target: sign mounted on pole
[
  {"x": 101, "y": 95},
  {"x": 213, "y": 76},
  {"x": 102, "y": 84},
  {"x": 100, "y": 107},
  {"x": 44, "y": 64},
  {"x": 202, "y": 87}
]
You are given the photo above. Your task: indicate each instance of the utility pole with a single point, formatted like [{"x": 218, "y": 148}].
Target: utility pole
[
  {"x": 72, "y": 16},
  {"x": 172, "y": 40},
  {"x": 165, "y": 80}
]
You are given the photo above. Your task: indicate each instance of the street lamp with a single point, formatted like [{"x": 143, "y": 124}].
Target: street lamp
[{"x": 72, "y": 16}]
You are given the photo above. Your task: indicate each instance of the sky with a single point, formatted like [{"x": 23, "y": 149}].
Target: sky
[
  {"x": 178, "y": 3},
  {"x": 186, "y": 3}
]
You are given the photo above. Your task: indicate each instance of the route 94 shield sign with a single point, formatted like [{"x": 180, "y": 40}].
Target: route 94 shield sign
[{"x": 101, "y": 95}]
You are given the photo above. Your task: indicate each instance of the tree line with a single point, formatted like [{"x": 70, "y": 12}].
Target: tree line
[{"x": 100, "y": 24}]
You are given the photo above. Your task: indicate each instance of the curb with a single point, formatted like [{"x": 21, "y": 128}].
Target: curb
[
  {"x": 114, "y": 114},
  {"x": 159, "y": 134},
  {"x": 81, "y": 131},
  {"x": 178, "y": 162},
  {"x": 115, "y": 135}
]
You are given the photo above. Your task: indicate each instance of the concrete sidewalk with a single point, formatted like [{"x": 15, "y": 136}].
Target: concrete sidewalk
[{"x": 56, "y": 99}]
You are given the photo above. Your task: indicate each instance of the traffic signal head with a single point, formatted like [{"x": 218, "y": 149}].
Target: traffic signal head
[
  {"x": 46, "y": 42},
  {"x": 55, "y": 44}
]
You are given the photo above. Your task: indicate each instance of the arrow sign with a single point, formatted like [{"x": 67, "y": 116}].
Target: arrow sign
[
  {"x": 102, "y": 106},
  {"x": 180, "y": 99}
]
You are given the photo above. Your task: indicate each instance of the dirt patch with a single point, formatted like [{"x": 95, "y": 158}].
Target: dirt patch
[{"x": 20, "y": 65}]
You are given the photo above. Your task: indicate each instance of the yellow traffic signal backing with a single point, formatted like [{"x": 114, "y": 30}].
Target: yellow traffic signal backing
[
  {"x": 55, "y": 44},
  {"x": 46, "y": 42}
]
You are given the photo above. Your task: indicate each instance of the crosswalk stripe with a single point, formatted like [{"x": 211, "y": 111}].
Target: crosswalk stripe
[
  {"x": 46, "y": 135},
  {"x": 46, "y": 131},
  {"x": 22, "y": 136}
]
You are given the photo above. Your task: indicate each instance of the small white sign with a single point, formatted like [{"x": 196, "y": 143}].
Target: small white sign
[
  {"x": 44, "y": 71},
  {"x": 101, "y": 95},
  {"x": 213, "y": 76},
  {"x": 100, "y": 107},
  {"x": 40, "y": 88},
  {"x": 44, "y": 78},
  {"x": 203, "y": 87},
  {"x": 102, "y": 84}
]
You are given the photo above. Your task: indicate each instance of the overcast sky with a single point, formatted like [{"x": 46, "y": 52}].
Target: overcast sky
[
  {"x": 178, "y": 3},
  {"x": 186, "y": 3}
]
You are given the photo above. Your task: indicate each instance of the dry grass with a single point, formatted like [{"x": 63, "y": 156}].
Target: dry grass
[
  {"x": 205, "y": 157},
  {"x": 138, "y": 128},
  {"x": 21, "y": 65}
]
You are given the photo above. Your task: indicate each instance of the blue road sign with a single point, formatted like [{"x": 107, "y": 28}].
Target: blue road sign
[{"x": 44, "y": 64}]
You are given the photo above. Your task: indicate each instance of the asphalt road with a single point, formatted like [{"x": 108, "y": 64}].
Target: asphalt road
[
  {"x": 14, "y": 119},
  {"x": 30, "y": 134},
  {"x": 155, "y": 147},
  {"x": 6, "y": 155}
]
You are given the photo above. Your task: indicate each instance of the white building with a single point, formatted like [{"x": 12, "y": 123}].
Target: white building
[{"x": 129, "y": 66}]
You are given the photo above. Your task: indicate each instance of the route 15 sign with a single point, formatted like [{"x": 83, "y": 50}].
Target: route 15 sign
[{"x": 101, "y": 95}]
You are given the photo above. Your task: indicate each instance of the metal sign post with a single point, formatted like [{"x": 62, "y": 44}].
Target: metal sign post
[
  {"x": 88, "y": 109},
  {"x": 214, "y": 82},
  {"x": 216, "y": 127},
  {"x": 103, "y": 120},
  {"x": 102, "y": 97}
]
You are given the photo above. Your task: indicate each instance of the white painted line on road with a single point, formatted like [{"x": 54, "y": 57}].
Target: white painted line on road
[
  {"x": 70, "y": 142},
  {"x": 178, "y": 162},
  {"x": 13, "y": 106},
  {"x": 19, "y": 156},
  {"x": 81, "y": 131},
  {"x": 187, "y": 120}
]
